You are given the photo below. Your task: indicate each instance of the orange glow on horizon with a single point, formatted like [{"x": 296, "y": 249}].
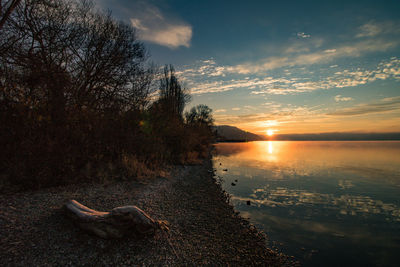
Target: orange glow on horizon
[
  {"x": 270, "y": 132},
  {"x": 318, "y": 124}
]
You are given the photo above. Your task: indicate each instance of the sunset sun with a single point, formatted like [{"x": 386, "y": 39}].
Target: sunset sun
[{"x": 270, "y": 132}]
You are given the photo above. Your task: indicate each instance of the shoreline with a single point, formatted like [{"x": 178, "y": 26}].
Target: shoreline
[{"x": 204, "y": 227}]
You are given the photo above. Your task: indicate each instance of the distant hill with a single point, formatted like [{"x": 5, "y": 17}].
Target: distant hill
[{"x": 230, "y": 133}]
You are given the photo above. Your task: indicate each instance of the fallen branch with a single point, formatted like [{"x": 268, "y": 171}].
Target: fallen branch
[{"x": 117, "y": 223}]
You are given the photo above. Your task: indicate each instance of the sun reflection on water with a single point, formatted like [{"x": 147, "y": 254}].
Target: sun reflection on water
[
  {"x": 270, "y": 147},
  {"x": 305, "y": 158}
]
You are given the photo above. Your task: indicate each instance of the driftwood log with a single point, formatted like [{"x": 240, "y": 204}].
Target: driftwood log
[{"x": 119, "y": 222}]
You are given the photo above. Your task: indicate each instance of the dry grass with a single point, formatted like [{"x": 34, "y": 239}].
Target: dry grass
[
  {"x": 140, "y": 169},
  {"x": 192, "y": 158}
]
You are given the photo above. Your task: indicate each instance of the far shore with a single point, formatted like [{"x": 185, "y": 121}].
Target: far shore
[{"x": 322, "y": 140}]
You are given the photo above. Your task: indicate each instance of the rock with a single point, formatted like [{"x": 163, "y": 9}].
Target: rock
[
  {"x": 248, "y": 202},
  {"x": 225, "y": 170},
  {"x": 233, "y": 184}
]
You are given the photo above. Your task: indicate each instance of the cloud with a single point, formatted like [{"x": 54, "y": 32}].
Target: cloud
[
  {"x": 384, "y": 70},
  {"x": 236, "y": 109},
  {"x": 154, "y": 27},
  {"x": 373, "y": 29},
  {"x": 202, "y": 78},
  {"x": 384, "y": 105},
  {"x": 369, "y": 30},
  {"x": 318, "y": 57},
  {"x": 286, "y": 114},
  {"x": 220, "y": 110},
  {"x": 340, "y": 98},
  {"x": 228, "y": 85},
  {"x": 303, "y": 35},
  {"x": 204, "y": 67},
  {"x": 272, "y": 106}
]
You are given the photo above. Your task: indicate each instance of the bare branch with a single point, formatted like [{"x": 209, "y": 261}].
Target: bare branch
[{"x": 9, "y": 10}]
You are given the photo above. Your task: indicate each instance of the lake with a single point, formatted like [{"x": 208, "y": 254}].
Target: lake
[{"x": 328, "y": 203}]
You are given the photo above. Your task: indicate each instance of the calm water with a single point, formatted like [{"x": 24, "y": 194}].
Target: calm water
[{"x": 326, "y": 203}]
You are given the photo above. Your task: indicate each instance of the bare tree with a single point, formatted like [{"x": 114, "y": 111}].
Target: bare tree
[
  {"x": 200, "y": 114},
  {"x": 173, "y": 96},
  {"x": 67, "y": 75},
  {"x": 69, "y": 55}
]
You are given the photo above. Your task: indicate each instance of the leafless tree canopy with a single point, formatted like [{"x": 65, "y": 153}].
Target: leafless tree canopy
[
  {"x": 6, "y": 8},
  {"x": 173, "y": 96},
  {"x": 76, "y": 90},
  {"x": 64, "y": 55}
]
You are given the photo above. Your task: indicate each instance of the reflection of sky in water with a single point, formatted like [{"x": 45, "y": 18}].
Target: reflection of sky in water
[
  {"x": 346, "y": 204},
  {"x": 319, "y": 199}
]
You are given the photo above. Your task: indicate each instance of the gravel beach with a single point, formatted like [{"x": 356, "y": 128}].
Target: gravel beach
[{"x": 204, "y": 228}]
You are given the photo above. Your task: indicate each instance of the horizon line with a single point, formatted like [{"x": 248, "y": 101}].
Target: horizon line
[{"x": 336, "y": 136}]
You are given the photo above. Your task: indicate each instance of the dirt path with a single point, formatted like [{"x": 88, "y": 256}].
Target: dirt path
[{"x": 205, "y": 230}]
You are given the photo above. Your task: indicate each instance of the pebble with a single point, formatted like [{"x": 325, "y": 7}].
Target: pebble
[{"x": 205, "y": 229}]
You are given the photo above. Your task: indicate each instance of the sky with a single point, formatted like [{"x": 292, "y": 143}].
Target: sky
[{"x": 283, "y": 66}]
